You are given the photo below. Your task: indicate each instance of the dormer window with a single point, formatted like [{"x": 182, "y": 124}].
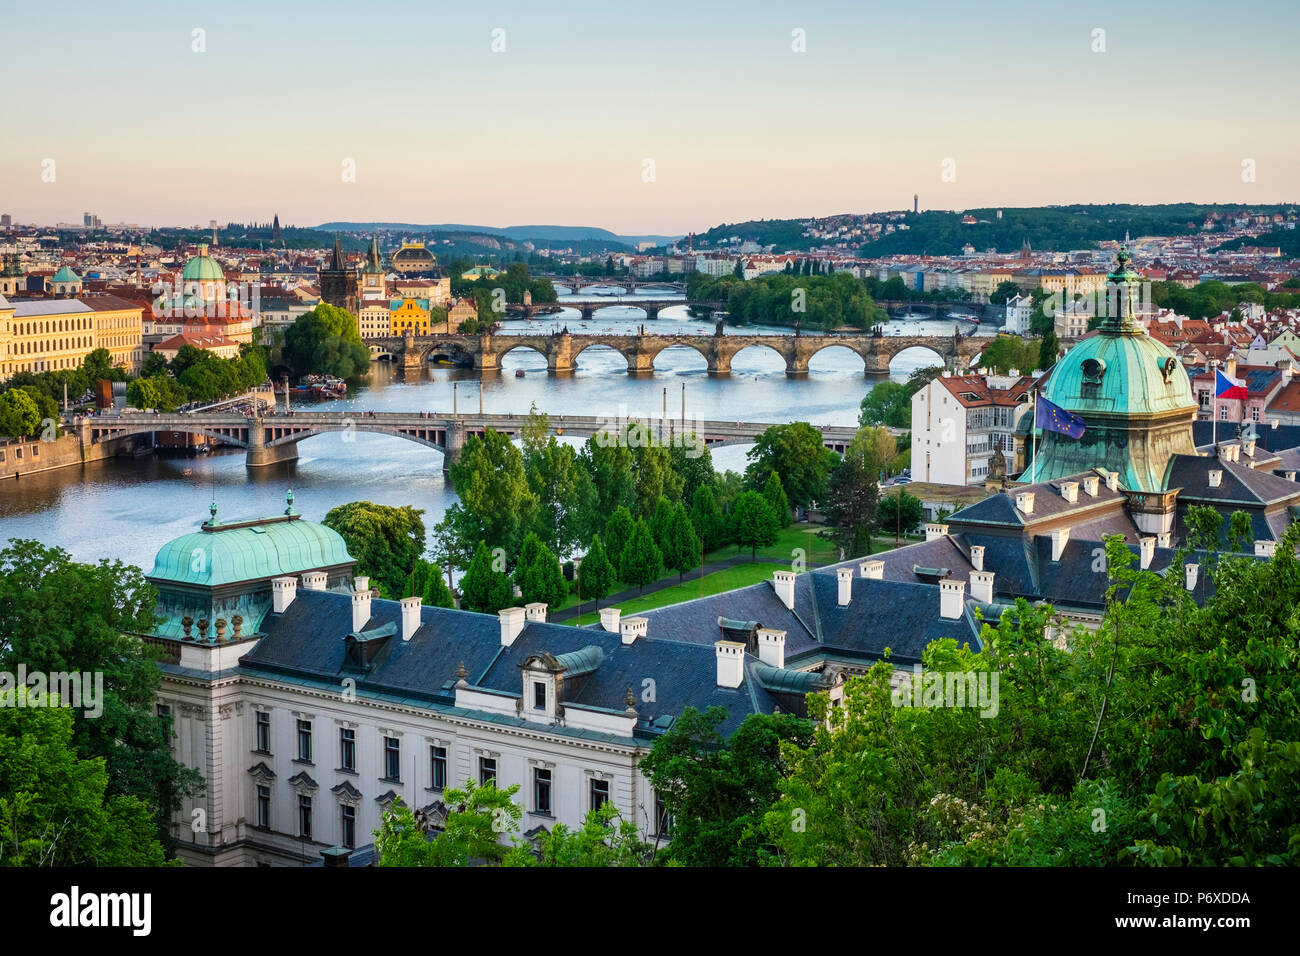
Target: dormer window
[{"x": 539, "y": 696}]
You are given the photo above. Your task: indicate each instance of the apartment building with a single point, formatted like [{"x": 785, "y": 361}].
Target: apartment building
[{"x": 964, "y": 428}]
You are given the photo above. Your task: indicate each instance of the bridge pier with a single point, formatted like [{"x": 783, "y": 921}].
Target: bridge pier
[
  {"x": 455, "y": 442},
  {"x": 652, "y": 311},
  {"x": 261, "y": 454},
  {"x": 640, "y": 362},
  {"x": 796, "y": 367}
]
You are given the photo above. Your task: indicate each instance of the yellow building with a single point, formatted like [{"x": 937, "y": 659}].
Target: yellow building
[
  {"x": 984, "y": 284},
  {"x": 461, "y": 310},
  {"x": 409, "y": 315},
  {"x": 46, "y": 335},
  {"x": 374, "y": 320}
]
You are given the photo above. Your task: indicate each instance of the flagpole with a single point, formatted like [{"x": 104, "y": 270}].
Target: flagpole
[
  {"x": 1033, "y": 436},
  {"x": 1214, "y": 410}
]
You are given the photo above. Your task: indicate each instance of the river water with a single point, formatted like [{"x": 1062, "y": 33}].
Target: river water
[{"x": 128, "y": 508}]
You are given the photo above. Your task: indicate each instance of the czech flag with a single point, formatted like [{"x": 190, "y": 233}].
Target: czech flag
[
  {"x": 1054, "y": 418},
  {"x": 1225, "y": 387}
]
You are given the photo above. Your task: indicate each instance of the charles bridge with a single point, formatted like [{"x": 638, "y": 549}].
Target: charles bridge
[{"x": 562, "y": 349}]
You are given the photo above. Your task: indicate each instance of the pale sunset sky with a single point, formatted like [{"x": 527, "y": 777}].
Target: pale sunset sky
[{"x": 556, "y": 128}]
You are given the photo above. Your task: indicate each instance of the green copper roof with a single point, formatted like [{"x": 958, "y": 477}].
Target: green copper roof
[
  {"x": 1116, "y": 372},
  {"x": 66, "y": 275},
  {"x": 203, "y": 268},
  {"x": 249, "y": 551}
]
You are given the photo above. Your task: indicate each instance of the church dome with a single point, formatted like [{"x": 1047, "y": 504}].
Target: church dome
[
  {"x": 203, "y": 268},
  {"x": 65, "y": 275}
]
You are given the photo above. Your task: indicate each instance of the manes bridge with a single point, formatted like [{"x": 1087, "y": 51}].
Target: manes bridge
[
  {"x": 274, "y": 438},
  {"x": 562, "y": 349}
]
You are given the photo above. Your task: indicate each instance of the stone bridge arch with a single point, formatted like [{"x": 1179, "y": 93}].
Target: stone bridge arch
[{"x": 726, "y": 348}]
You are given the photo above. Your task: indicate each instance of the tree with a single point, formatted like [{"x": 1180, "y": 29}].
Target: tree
[
  {"x": 776, "y": 499},
  {"x": 477, "y": 818},
  {"x": 426, "y": 583},
  {"x": 605, "y": 839},
  {"x": 56, "y": 808},
  {"x": 618, "y": 532},
  {"x": 385, "y": 540},
  {"x": 681, "y": 545},
  {"x": 717, "y": 789},
  {"x": 852, "y": 500},
  {"x": 498, "y": 504},
  {"x": 707, "y": 520},
  {"x": 486, "y": 587},
  {"x": 1007, "y": 352},
  {"x": 796, "y": 453},
  {"x": 596, "y": 573},
  {"x": 889, "y": 403},
  {"x": 751, "y": 523},
  {"x": 541, "y": 579},
  {"x": 693, "y": 463},
  {"x": 899, "y": 513},
  {"x": 19, "y": 414},
  {"x": 642, "y": 562},
  {"x": 59, "y": 616},
  {"x": 1047, "y": 351},
  {"x": 1005, "y": 291},
  {"x": 324, "y": 341},
  {"x": 155, "y": 363},
  {"x": 875, "y": 447}
]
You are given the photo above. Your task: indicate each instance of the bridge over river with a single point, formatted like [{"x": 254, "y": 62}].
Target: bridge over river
[
  {"x": 561, "y": 349},
  {"x": 274, "y": 438}
]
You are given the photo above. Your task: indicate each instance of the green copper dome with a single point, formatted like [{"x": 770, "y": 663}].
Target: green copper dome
[
  {"x": 203, "y": 268},
  {"x": 1120, "y": 372},
  {"x": 249, "y": 551},
  {"x": 66, "y": 275}
]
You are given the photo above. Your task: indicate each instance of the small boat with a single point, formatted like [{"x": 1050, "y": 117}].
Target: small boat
[{"x": 519, "y": 373}]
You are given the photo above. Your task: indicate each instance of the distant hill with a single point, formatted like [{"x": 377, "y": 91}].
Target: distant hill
[{"x": 532, "y": 233}]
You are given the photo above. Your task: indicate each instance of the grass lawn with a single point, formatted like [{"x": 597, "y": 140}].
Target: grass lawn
[
  {"x": 728, "y": 579},
  {"x": 818, "y": 551}
]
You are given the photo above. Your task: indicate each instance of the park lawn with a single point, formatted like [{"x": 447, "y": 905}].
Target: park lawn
[
  {"x": 728, "y": 579},
  {"x": 817, "y": 550}
]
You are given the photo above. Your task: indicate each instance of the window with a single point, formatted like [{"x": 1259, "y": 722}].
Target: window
[
  {"x": 349, "y": 827},
  {"x": 304, "y": 740},
  {"x": 487, "y": 770},
  {"x": 347, "y": 749},
  {"x": 304, "y": 817},
  {"x": 599, "y": 794},
  {"x": 1223, "y": 413},
  {"x": 392, "y": 758},
  {"x": 542, "y": 791},
  {"x": 1254, "y": 413},
  {"x": 663, "y": 819},
  {"x": 264, "y": 807},
  {"x": 263, "y": 732},
  {"x": 438, "y": 763},
  {"x": 539, "y": 696}
]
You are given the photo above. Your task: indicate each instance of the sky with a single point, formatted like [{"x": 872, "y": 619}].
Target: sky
[{"x": 642, "y": 118}]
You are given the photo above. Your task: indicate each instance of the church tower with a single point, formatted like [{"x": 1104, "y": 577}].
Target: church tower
[
  {"x": 338, "y": 283},
  {"x": 373, "y": 283},
  {"x": 275, "y": 229}
]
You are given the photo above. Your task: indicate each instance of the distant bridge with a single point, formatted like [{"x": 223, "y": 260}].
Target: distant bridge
[
  {"x": 561, "y": 350},
  {"x": 274, "y": 438},
  {"x": 627, "y": 283},
  {"x": 589, "y": 307}
]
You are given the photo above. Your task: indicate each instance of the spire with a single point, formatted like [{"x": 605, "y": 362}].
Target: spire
[
  {"x": 336, "y": 261},
  {"x": 373, "y": 261}
]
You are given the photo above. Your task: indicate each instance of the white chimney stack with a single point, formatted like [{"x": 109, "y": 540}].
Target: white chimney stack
[
  {"x": 783, "y": 584},
  {"x": 410, "y": 616},
  {"x": 952, "y": 594},
  {"x": 360, "y": 609},
  {"x": 844, "y": 577},
  {"x": 283, "y": 591},
  {"x": 1112, "y": 480},
  {"x": 1090, "y": 486},
  {"x": 512, "y": 623},
  {"x": 1191, "y": 571},
  {"x": 1248, "y": 447},
  {"x": 1070, "y": 491},
  {"x": 771, "y": 647},
  {"x": 361, "y": 583},
  {"x": 981, "y": 586},
  {"x": 977, "y": 556},
  {"x": 731, "y": 663},
  {"x": 609, "y": 619},
  {"x": 1164, "y": 539},
  {"x": 1265, "y": 549},
  {"x": 314, "y": 581},
  {"x": 935, "y": 530},
  {"x": 1025, "y": 502},
  {"x": 1147, "y": 550},
  {"x": 1216, "y": 477},
  {"x": 872, "y": 569},
  {"x": 633, "y": 627},
  {"x": 1060, "y": 538},
  {"x": 535, "y": 613}
]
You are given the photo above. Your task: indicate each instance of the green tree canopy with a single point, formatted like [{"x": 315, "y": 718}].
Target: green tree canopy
[
  {"x": 796, "y": 453},
  {"x": 751, "y": 523},
  {"x": 641, "y": 562},
  {"x": 385, "y": 540},
  {"x": 596, "y": 573}
]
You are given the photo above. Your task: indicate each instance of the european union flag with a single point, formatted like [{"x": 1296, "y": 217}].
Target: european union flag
[{"x": 1054, "y": 418}]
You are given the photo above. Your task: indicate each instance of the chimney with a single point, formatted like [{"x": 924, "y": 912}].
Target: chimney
[
  {"x": 633, "y": 627},
  {"x": 783, "y": 584},
  {"x": 283, "y": 591},
  {"x": 314, "y": 581},
  {"x": 1248, "y": 447},
  {"x": 512, "y": 622},
  {"x": 1070, "y": 491},
  {"x": 1265, "y": 549},
  {"x": 1090, "y": 486},
  {"x": 1164, "y": 539},
  {"x": 1191, "y": 570},
  {"x": 731, "y": 663},
  {"x": 360, "y": 609},
  {"x": 872, "y": 569},
  {"x": 535, "y": 613},
  {"x": 981, "y": 586},
  {"x": 1060, "y": 538},
  {"x": 609, "y": 619},
  {"x": 1289, "y": 475},
  {"x": 1025, "y": 502},
  {"x": 935, "y": 530},
  {"x": 771, "y": 647},
  {"x": 410, "y": 617},
  {"x": 844, "y": 576},
  {"x": 361, "y": 583},
  {"x": 1147, "y": 550},
  {"x": 951, "y": 596},
  {"x": 1112, "y": 480},
  {"x": 1216, "y": 477}
]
